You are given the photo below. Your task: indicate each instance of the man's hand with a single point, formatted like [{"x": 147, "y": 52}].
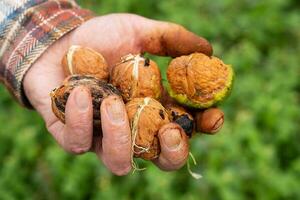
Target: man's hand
[{"x": 113, "y": 36}]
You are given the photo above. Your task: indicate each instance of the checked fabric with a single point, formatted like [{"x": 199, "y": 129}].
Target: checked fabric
[{"x": 27, "y": 29}]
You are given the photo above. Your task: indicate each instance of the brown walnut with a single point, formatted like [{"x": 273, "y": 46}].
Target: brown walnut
[
  {"x": 85, "y": 61},
  {"x": 146, "y": 117},
  {"x": 98, "y": 88},
  {"x": 136, "y": 76}
]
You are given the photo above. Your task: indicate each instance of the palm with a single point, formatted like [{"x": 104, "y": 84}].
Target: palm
[
  {"x": 113, "y": 36},
  {"x": 111, "y": 41}
]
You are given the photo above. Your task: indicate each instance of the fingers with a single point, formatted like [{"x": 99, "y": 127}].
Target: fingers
[
  {"x": 209, "y": 121},
  {"x": 76, "y": 135},
  {"x": 174, "y": 147},
  {"x": 168, "y": 39},
  {"x": 116, "y": 142}
]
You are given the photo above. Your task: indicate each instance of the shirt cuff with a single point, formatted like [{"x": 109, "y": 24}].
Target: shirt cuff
[{"x": 28, "y": 36}]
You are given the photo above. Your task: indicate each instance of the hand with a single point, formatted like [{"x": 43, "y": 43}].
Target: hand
[{"x": 113, "y": 36}]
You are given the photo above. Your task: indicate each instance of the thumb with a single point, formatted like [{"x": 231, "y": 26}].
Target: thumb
[{"x": 169, "y": 39}]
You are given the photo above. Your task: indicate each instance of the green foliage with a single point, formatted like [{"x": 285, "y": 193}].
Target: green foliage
[{"x": 256, "y": 155}]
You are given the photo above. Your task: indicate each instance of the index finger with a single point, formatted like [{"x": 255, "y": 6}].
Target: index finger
[
  {"x": 116, "y": 141},
  {"x": 169, "y": 39}
]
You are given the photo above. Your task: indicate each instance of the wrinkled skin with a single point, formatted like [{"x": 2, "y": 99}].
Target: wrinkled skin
[{"x": 117, "y": 35}]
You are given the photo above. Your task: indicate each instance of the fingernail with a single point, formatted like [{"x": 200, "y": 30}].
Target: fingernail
[
  {"x": 115, "y": 110},
  {"x": 210, "y": 121},
  {"x": 172, "y": 138},
  {"x": 82, "y": 99}
]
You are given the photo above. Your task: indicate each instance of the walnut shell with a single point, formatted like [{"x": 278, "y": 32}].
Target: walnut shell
[
  {"x": 99, "y": 90},
  {"x": 136, "y": 76},
  {"x": 199, "y": 81},
  {"x": 146, "y": 117},
  {"x": 85, "y": 61}
]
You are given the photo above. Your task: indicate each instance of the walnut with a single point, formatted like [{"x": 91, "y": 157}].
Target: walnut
[
  {"x": 136, "y": 76},
  {"x": 199, "y": 81},
  {"x": 146, "y": 117},
  {"x": 99, "y": 90},
  {"x": 180, "y": 116},
  {"x": 85, "y": 61}
]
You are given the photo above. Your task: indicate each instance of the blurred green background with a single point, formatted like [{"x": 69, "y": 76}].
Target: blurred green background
[{"x": 255, "y": 156}]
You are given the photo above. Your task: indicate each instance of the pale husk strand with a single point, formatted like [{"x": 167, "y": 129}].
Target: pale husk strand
[
  {"x": 193, "y": 174},
  {"x": 134, "y": 132}
]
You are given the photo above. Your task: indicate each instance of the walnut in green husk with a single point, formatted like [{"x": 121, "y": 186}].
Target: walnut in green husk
[
  {"x": 136, "y": 76},
  {"x": 199, "y": 81},
  {"x": 99, "y": 90},
  {"x": 146, "y": 117}
]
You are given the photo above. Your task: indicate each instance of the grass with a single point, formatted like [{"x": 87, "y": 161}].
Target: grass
[{"x": 256, "y": 155}]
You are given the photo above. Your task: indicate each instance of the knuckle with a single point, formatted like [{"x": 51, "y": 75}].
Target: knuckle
[
  {"x": 173, "y": 161},
  {"x": 78, "y": 145},
  {"x": 78, "y": 126},
  {"x": 117, "y": 164},
  {"x": 123, "y": 140},
  {"x": 52, "y": 126},
  {"x": 78, "y": 150},
  {"x": 121, "y": 171},
  {"x": 177, "y": 163}
]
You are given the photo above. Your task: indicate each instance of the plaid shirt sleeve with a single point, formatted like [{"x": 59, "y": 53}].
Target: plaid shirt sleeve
[{"x": 27, "y": 29}]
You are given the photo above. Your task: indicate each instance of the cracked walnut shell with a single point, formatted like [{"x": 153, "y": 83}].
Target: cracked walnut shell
[
  {"x": 181, "y": 117},
  {"x": 98, "y": 88}
]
